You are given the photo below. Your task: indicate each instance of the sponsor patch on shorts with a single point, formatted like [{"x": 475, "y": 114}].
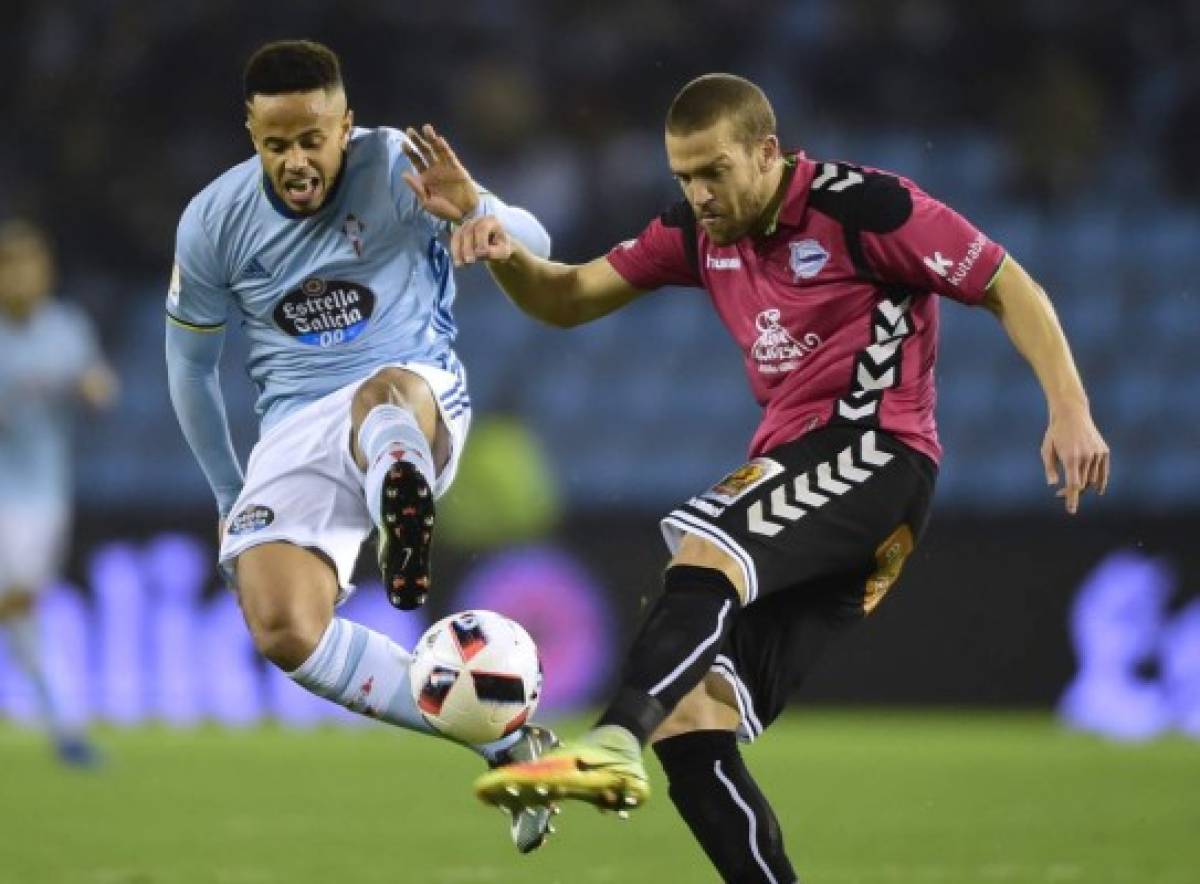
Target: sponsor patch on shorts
[
  {"x": 743, "y": 480},
  {"x": 252, "y": 518}
]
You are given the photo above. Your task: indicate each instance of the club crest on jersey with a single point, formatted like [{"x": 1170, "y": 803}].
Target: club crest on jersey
[
  {"x": 807, "y": 258},
  {"x": 353, "y": 228},
  {"x": 776, "y": 350},
  {"x": 325, "y": 312},
  {"x": 252, "y": 518},
  {"x": 743, "y": 480}
]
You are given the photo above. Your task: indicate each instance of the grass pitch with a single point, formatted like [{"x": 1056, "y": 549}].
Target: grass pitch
[{"x": 864, "y": 797}]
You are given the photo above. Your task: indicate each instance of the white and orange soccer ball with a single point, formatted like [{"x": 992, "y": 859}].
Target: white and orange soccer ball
[{"x": 476, "y": 676}]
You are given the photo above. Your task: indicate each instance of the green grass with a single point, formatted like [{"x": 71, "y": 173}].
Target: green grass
[{"x": 864, "y": 797}]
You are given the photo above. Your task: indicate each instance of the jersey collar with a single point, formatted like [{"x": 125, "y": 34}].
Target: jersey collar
[{"x": 791, "y": 209}]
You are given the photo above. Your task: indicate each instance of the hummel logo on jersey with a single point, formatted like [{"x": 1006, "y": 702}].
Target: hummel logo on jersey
[
  {"x": 939, "y": 265},
  {"x": 722, "y": 263},
  {"x": 253, "y": 269}
]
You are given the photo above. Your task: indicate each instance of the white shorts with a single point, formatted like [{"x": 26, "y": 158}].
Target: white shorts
[
  {"x": 33, "y": 539},
  {"x": 303, "y": 486}
]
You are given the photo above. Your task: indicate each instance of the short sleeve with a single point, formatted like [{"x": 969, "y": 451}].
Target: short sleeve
[
  {"x": 198, "y": 295},
  {"x": 664, "y": 254},
  {"x": 933, "y": 248}
]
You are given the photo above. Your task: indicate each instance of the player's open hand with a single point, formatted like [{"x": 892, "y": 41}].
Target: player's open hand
[
  {"x": 439, "y": 180},
  {"x": 483, "y": 239},
  {"x": 1074, "y": 452}
]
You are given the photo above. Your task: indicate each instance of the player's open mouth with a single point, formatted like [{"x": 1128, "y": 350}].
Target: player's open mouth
[{"x": 302, "y": 191}]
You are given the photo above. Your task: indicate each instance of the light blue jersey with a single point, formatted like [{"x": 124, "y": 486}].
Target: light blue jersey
[
  {"x": 324, "y": 298},
  {"x": 42, "y": 362}
]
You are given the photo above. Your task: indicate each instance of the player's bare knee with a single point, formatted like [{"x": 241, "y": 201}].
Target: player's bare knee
[
  {"x": 285, "y": 634},
  {"x": 702, "y": 709},
  {"x": 287, "y": 601},
  {"x": 700, "y": 553},
  {"x": 389, "y": 386}
]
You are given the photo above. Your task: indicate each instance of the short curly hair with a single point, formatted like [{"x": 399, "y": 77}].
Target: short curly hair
[{"x": 286, "y": 66}]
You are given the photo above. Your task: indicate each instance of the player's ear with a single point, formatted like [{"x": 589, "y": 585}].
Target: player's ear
[
  {"x": 768, "y": 153},
  {"x": 347, "y": 126}
]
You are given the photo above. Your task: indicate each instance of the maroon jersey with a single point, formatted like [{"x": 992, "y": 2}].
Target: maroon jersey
[{"x": 834, "y": 309}]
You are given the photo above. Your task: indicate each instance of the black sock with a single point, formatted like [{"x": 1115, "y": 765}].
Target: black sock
[
  {"x": 723, "y": 806},
  {"x": 674, "y": 648}
]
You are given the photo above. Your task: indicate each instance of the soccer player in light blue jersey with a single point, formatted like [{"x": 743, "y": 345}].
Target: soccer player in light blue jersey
[
  {"x": 327, "y": 247},
  {"x": 49, "y": 365}
]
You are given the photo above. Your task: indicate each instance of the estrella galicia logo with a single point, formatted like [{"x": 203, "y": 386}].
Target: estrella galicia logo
[
  {"x": 252, "y": 518},
  {"x": 807, "y": 258},
  {"x": 325, "y": 312}
]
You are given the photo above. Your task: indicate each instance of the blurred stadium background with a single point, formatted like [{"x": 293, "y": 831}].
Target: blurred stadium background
[{"x": 1066, "y": 130}]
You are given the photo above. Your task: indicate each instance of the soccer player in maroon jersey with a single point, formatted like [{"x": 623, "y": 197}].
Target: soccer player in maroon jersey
[{"x": 826, "y": 274}]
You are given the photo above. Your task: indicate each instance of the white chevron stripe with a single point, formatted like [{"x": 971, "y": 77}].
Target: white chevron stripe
[
  {"x": 872, "y": 455},
  {"x": 807, "y": 496},
  {"x": 885, "y": 351},
  {"x": 884, "y": 333},
  {"x": 780, "y": 507},
  {"x": 868, "y": 381},
  {"x": 848, "y": 470},
  {"x": 826, "y": 481},
  {"x": 852, "y": 413},
  {"x": 893, "y": 313},
  {"x": 851, "y": 179},
  {"x": 828, "y": 172},
  {"x": 757, "y": 524}
]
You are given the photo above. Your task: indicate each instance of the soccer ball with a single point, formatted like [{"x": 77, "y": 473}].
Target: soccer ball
[{"x": 476, "y": 676}]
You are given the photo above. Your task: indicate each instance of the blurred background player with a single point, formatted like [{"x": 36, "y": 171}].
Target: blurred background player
[
  {"x": 327, "y": 246},
  {"x": 825, "y": 274},
  {"x": 50, "y": 364}
]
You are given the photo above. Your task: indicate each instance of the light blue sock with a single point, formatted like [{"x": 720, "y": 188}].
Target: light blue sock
[
  {"x": 364, "y": 671},
  {"x": 389, "y": 433}
]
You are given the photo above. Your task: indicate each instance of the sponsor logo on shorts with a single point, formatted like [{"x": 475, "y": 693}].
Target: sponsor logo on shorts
[
  {"x": 743, "y": 480},
  {"x": 325, "y": 312},
  {"x": 253, "y": 518},
  {"x": 889, "y": 562},
  {"x": 807, "y": 258}
]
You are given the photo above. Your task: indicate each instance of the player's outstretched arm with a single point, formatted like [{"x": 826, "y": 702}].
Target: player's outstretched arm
[
  {"x": 560, "y": 294},
  {"x": 1072, "y": 441},
  {"x": 194, "y": 382},
  {"x": 445, "y": 189}
]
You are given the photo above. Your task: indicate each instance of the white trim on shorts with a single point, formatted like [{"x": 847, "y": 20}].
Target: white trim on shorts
[
  {"x": 680, "y": 522},
  {"x": 749, "y": 728}
]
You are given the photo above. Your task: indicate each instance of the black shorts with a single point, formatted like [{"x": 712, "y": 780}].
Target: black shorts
[{"x": 821, "y": 528}]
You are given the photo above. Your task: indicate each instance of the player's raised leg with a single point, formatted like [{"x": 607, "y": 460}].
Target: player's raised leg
[
  {"x": 287, "y": 595},
  {"x": 703, "y": 590},
  {"x": 401, "y": 443}
]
